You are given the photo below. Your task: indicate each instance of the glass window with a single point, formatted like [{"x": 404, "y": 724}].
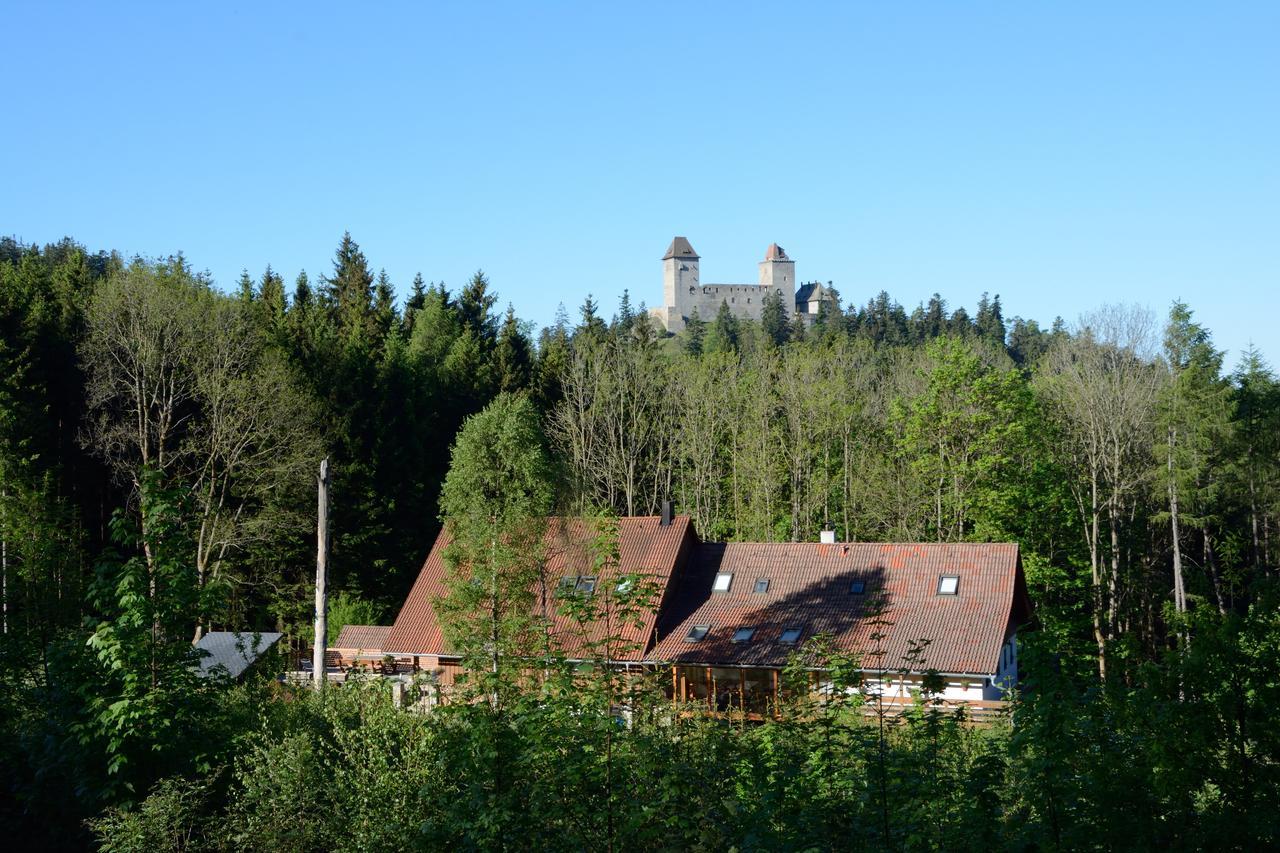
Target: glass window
[
  {"x": 790, "y": 636},
  {"x": 567, "y": 583},
  {"x": 624, "y": 586},
  {"x": 723, "y": 581},
  {"x": 762, "y": 584},
  {"x": 696, "y": 633},
  {"x": 857, "y": 587},
  {"x": 586, "y": 585},
  {"x": 743, "y": 635},
  {"x": 948, "y": 585}
]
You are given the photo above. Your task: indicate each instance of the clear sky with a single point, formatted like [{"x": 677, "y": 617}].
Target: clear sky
[{"x": 1062, "y": 155}]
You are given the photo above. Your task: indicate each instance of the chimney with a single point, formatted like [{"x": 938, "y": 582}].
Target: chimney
[
  {"x": 827, "y": 537},
  {"x": 666, "y": 514}
]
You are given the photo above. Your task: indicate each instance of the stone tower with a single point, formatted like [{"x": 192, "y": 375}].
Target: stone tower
[
  {"x": 777, "y": 270},
  {"x": 679, "y": 282}
]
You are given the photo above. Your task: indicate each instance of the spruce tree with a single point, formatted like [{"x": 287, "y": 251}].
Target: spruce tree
[
  {"x": 475, "y": 310},
  {"x": 350, "y": 291},
  {"x": 773, "y": 319},
  {"x": 724, "y": 333},
  {"x": 695, "y": 332},
  {"x": 513, "y": 355}
]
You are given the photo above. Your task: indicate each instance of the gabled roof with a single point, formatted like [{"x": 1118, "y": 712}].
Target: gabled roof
[
  {"x": 234, "y": 651},
  {"x": 645, "y": 547},
  {"x": 680, "y": 248},
  {"x": 809, "y": 588},
  {"x": 369, "y": 638},
  {"x": 810, "y": 291}
]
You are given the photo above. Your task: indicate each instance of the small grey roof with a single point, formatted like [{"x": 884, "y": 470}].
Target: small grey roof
[
  {"x": 811, "y": 291},
  {"x": 680, "y": 248},
  {"x": 234, "y": 650}
]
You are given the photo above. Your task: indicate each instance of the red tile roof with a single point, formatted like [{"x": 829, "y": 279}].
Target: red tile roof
[
  {"x": 369, "y": 638},
  {"x": 809, "y": 588},
  {"x": 645, "y": 547}
]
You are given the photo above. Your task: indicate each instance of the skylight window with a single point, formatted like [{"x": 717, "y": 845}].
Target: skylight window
[
  {"x": 790, "y": 636},
  {"x": 743, "y": 635},
  {"x": 696, "y": 633},
  {"x": 762, "y": 584},
  {"x": 857, "y": 587},
  {"x": 723, "y": 581},
  {"x": 567, "y": 583},
  {"x": 586, "y": 585},
  {"x": 624, "y": 586},
  {"x": 949, "y": 585}
]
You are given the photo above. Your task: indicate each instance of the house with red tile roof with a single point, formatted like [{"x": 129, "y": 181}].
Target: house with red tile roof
[{"x": 728, "y": 617}]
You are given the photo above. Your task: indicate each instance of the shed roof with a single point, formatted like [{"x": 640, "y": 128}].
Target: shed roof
[
  {"x": 809, "y": 587},
  {"x": 234, "y": 650},
  {"x": 645, "y": 547},
  {"x": 369, "y": 638}
]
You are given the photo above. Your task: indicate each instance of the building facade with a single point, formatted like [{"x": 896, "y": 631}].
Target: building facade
[
  {"x": 684, "y": 292},
  {"x": 727, "y": 617}
]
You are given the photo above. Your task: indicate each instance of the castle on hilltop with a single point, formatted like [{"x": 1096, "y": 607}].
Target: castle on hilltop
[{"x": 683, "y": 292}]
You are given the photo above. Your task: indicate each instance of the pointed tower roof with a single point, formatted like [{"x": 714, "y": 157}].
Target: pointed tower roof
[
  {"x": 775, "y": 253},
  {"x": 680, "y": 248}
]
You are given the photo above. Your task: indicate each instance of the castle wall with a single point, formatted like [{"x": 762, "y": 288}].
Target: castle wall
[{"x": 745, "y": 300}]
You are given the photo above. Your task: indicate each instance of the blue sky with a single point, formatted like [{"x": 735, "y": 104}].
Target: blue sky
[{"x": 1061, "y": 155}]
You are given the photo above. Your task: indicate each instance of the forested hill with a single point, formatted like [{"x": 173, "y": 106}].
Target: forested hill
[{"x": 1139, "y": 474}]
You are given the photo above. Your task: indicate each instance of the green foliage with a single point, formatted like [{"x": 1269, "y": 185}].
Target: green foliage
[
  {"x": 348, "y": 609},
  {"x": 495, "y": 501}
]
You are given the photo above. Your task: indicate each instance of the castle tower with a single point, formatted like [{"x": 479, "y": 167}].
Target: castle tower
[
  {"x": 679, "y": 282},
  {"x": 777, "y": 270}
]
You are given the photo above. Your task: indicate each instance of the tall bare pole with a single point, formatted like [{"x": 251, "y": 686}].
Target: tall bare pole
[{"x": 322, "y": 570}]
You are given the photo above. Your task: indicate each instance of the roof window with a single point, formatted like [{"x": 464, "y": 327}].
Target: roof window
[
  {"x": 762, "y": 584},
  {"x": 696, "y": 633},
  {"x": 857, "y": 587},
  {"x": 948, "y": 585},
  {"x": 586, "y": 585},
  {"x": 723, "y": 581},
  {"x": 567, "y": 584},
  {"x": 743, "y": 635},
  {"x": 624, "y": 586},
  {"x": 790, "y": 636}
]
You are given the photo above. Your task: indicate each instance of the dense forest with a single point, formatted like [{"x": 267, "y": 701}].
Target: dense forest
[{"x": 159, "y": 439}]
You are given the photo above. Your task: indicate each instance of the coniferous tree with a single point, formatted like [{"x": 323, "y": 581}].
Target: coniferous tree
[
  {"x": 475, "y": 310},
  {"x": 590, "y": 327},
  {"x": 626, "y": 316},
  {"x": 774, "y": 320},
  {"x": 990, "y": 319},
  {"x": 695, "y": 331},
  {"x": 513, "y": 355},
  {"x": 417, "y": 298},
  {"x": 349, "y": 291},
  {"x": 724, "y": 332},
  {"x": 384, "y": 305},
  {"x": 1193, "y": 419}
]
